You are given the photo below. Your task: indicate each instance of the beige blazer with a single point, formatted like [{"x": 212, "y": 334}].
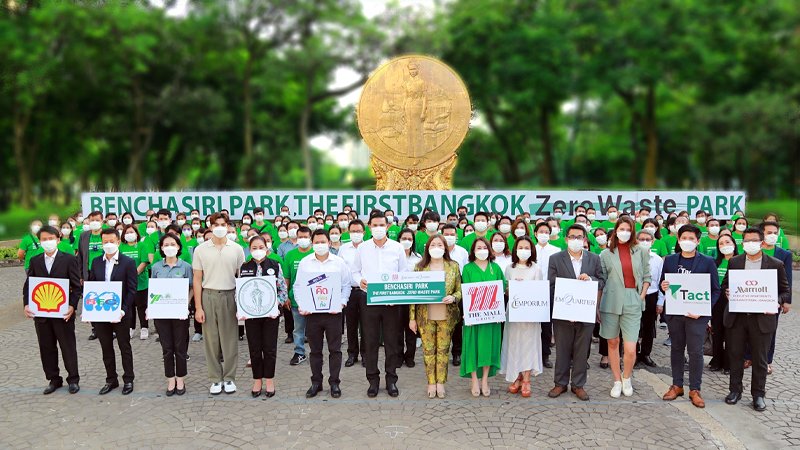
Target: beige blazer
[{"x": 611, "y": 269}]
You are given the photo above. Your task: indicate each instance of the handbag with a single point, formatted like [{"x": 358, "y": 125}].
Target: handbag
[{"x": 708, "y": 344}]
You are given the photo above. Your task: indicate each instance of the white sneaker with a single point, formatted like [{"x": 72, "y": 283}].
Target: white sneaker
[
  {"x": 617, "y": 389},
  {"x": 144, "y": 333},
  {"x": 197, "y": 337},
  {"x": 230, "y": 387},
  {"x": 215, "y": 389},
  {"x": 627, "y": 388},
  {"x": 132, "y": 332}
]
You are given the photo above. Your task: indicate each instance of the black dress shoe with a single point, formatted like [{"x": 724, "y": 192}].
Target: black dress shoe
[
  {"x": 127, "y": 388},
  {"x": 289, "y": 339},
  {"x": 336, "y": 391},
  {"x": 74, "y": 388},
  {"x": 92, "y": 336},
  {"x": 733, "y": 398},
  {"x": 456, "y": 360},
  {"x": 108, "y": 388},
  {"x": 714, "y": 368},
  {"x": 391, "y": 388},
  {"x": 726, "y": 371},
  {"x": 759, "y": 404},
  {"x": 547, "y": 363},
  {"x": 269, "y": 393},
  {"x": 255, "y": 394},
  {"x": 351, "y": 360},
  {"x": 648, "y": 361},
  {"x": 180, "y": 391},
  {"x": 170, "y": 392},
  {"x": 410, "y": 363},
  {"x": 313, "y": 390},
  {"x": 372, "y": 392},
  {"x": 52, "y": 387}
]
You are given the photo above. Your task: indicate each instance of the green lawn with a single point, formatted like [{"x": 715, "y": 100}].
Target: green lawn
[{"x": 785, "y": 209}]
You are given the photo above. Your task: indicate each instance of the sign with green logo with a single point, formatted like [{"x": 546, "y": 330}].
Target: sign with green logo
[
  {"x": 405, "y": 288},
  {"x": 688, "y": 293},
  {"x": 168, "y": 298}
]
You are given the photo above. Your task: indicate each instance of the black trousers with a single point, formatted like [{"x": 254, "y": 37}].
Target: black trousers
[
  {"x": 352, "y": 315},
  {"x": 374, "y": 320},
  {"x": 720, "y": 358},
  {"x": 647, "y": 328},
  {"x": 288, "y": 321},
  {"x": 174, "y": 337},
  {"x": 328, "y": 326},
  {"x": 53, "y": 333},
  {"x": 547, "y": 336},
  {"x": 105, "y": 334},
  {"x": 573, "y": 340},
  {"x": 140, "y": 309},
  {"x": 198, "y": 327},
  {"x": 458, "y": 332},
  {"x": 262, "y": 341},
  {"x": 745, "y": 331},
  {"x": 407, "y": 339}
]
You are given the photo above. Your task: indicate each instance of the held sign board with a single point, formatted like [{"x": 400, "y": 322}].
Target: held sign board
[
  {"x": 102, "y": 301},
  {"x": 256, "y": 297},
  {"x": 753, "y": 291},
  {"x": 688, "y": 293},
  {"x": 48, "y": 297},
  {"x": 720, "y": 204},
  {"x": 168, "y": 298},
  {"x": 575, "y": 300},
  {"x": 317, "y": 292},
  {"x": 483, "y": 302},
  {"x": 405, "y": 288},
  {"x": 529, "y": 301}
]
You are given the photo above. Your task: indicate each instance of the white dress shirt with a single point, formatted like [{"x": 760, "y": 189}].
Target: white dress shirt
[
  {"x": 373, "y": 260},
  {"x": 331, "y": 264},
  {"x": 348, "y": 253},
  {"x": 49, "y": 260},
  {"x": 411, "y": 261},
  {"x": 459, "y": 255},
  {"x": 110, "y": 263},
  {"x": 543, "y": 257},
  {"x": 577, "y": 263}
]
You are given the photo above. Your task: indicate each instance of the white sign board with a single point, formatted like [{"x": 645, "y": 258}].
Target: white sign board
[
  {"x": 168, "y": 298},
  {"x": 529, "y": 301},
  {"x": 317, "y": 292},
  {"x": 688, "y": 293},
  {"x": 575, "y": 300},
  {"x": 483, "y": 302},
  {"x": 753, "y": 291},
  {"x": 48, "y": 297},
  {"x": 256, "y": 297},
  {"x": 102, "y": 301}
]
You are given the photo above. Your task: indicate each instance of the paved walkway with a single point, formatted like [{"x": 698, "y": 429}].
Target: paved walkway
[{"x": 147, "y": 418}]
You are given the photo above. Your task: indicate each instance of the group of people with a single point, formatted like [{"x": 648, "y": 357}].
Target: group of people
[{"x": 628, "y": 254}]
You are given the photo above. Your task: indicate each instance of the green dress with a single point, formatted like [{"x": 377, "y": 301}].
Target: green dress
[{"x": 481, "y": 343}]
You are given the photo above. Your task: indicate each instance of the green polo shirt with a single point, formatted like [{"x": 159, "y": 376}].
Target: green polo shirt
[
  {"x": 708, "y": 246},
  {"x": 95, "y": 248},
  {"x": 289, "y": 268},
  {"x": 31, "y": 246},
  {"x": 467, "y": 241}
]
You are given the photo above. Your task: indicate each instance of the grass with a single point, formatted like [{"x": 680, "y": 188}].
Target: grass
[
  {"x": 15, "y": 221},
  {"x": 785, "y": 209}
]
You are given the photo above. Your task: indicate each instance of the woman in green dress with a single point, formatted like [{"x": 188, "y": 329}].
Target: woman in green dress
[{"x": 481, "y": 343}]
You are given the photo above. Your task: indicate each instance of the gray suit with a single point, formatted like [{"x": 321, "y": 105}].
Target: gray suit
[{"x": 573, "y": 339}]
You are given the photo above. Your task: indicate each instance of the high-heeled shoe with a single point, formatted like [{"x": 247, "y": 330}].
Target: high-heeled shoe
[
  {"x": 431, "y": 391},
  {"x": 476, "y": 390},
  {"x": 486, "y": 391},
  {"x": 269, "y": 393},
  {"x": 440, "y": 391},
  {"x": 514, "y": 387},
  {"x": 526, "y": 389}
]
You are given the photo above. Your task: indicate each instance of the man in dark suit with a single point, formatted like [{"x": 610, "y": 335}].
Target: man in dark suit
[
  {"x": 114, "y": 266},
  {"x": 755, "y": 329},
  {"x": 90, "y": 246},
  {"x": 573, "y": 339},
  {"x": 56, "y": 331}
]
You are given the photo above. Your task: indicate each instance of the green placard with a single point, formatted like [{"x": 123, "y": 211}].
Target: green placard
[{"x": 406, "y": 288}]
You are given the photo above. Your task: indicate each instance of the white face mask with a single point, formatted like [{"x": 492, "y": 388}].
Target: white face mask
[
  {"x": 727, "y": 249},
  {"x": 660, "y": 222},
  {"x": 220, "y": 232},
  {"x": 292, "y": 233},
  {"x": 379, "y": 233},
  {"x": 283, "y": 235},
  {"x": 304, "y": 243},
  {"x": 151, "y": 230},
  {"x": 200, "y": 239},
  {"x": 498, "y": 246},
  {"x": 751, "y": 248},
  {"x": 112, "y": 222},
  {"x": 451, "y": 240},
  {"x": 180, "y": 222},
  {"x": 49, "y": 245},
  {"x": 741, "y": 227},
  {"x": 195, "y": 216},
  {"x": 713, "y": 230},
  {"x": 542, "y": 238},
  {"x": 390, "y": 219},
  {"x": 321, "y": 249},
  {"x": 481, "y": 226},
  {"x": 519, "y": 232},
  {"x": 130, "y": 237},
  {"x": 523, "y": 254},
  {"x": 623, "y": 236},
  {"x": 329, "y": 223},
  {"x": 259, "y": 218},
  {"x": 110, "y": 248},
  {"x": 127, "y": 220},
  {"x": 95, "y": 225},
  {"x": 52, "y": 223},
  {"x": 554, "y": 233},
  {"x": 492, "y": 221},
  {"x": 504, "y": 228},
  {"x": 687, "y": 245},
  {"x": 482, "y": 254},
  {"x": 163, "y": 224},
  {"x": 558, "y": 215},
  {"x": 467, "y": 233},
  {"x": 343, "y": 224},
  {"x": 170, "y": 251},
  {"x": 284, "y": 213},
  {"x": 701, "y": 220},
  {"x": 406, "y": 243},
  {"x": 187, "y": 232},
  {"x": 357, "y": 238},
  {"x": 79, "y": 218},
  {"x": 335, "y": 238},
  {"x": 431, "y": 226},
  {"x": 601, "y": 239},
  {"x": 650, "y": 230},
  {"x": 771, "y": 239},
  {"x": 259, "y": 254},
  {"x": 646, "y": 245},
  {"x": 575, "y": 245},
  {"x": 591, "y": 217},
  {"x": 66, "y": 231},
  {"x": 195, "y": 226},
  {"x": 243, "y": 233},
  {"x": 312, "y": 226},
  {"x": 231, "y": 236},
  {"x": 527, "y": 220},
  {"x": 413, "y": 226},
  {"x": 613, "y": 215},
  {"x": 436, "y": 252}
]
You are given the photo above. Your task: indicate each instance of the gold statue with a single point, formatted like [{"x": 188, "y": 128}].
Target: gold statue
[{"x": 413, "y": 114}]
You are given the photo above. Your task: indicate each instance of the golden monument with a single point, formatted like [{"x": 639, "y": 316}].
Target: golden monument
[{"x": 413, "y": 115}]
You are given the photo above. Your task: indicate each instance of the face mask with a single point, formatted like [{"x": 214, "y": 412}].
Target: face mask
[
  {"x": 436, "y": 252},
  {"x": 79, "y": 218},
  {"x": 519, "y": 232},
  {"x": 771, "y": 239},
  {"x": 335, "y": 238},
  {"x": 504, "y": 228},
  {"x": 357, "y": 238},
  {"x": 687, "y": 245},
  {"x": 284, "y": 213},
  {"x": 243, "y": 233},
  {"x": 293, "y": 233},
  {"x": 187, "y": 232},
  {"x": 130, "y": 237},
  {"x": 304, "y": 243},
  {"x": 523, "y": 254},
  {"x": 453, "y": 222},
  {"x": 602, "y": 239},
  {"x": 554, "y": 233},
  {"x": 200, "y": 239},
  {"x": 220, "y": 232},
  {"x": 660, "y": 222},
  {"x": 163, "y": 224},
  {"x": 481, "y": 226},
  {"x": 321, "y": 249},
  {"x": 49, "y": 245},
  {"x": 170, "y": 251},
  {"x": 646, "y": 245},
  {"x": 623, "y": 236},
  {"x": 343, "y": 224},
  {"x": 329, "y": 223},
  {"x": 650, "y": 230},
  {"x": 431, "y": 226},
  {"x": 259, "y": 217},
  {"x": 467, "y": 233},
  {"x": 283, "y": 235},
  {"x": 180, "y": 222},
  {"x": 127, "y": 220},
  {"x": 751, "y": 248},
  {"x": 558, "y": 215},
  {"x": 319, "y": 216},
  {"x": 741, "y": 227},
  {"x": 231, "y": 237},
  {"x": 727, "y": 249},
  {"x": 451, "y": 240},
  {"x": 406, "y": 244},
  {"x": 195, "y": 226},
  {"x": 413, "y": 226},
  {"x": 482, "y": 254},
  {"x": 259, "y": 254},
  {"x": 278, "y": 223},
  {"x": 640, "y": 219},
  {"x": 543, "y": 238},
  {"x": 110, "y": 248},
  {"x": 150, "y": 230},
  {"x": 95, "y": 225},
  {"x": 575, "y": 245},
  {"x": 112, "y": 223},
  {"x": 462, "y": 225},
  {"x": 713, "y": 230},
  {"x": 66, "y": 231},
  {"x": 195, "y": 216},
  {"x": 498, "y": 246},
  {"x": 379, "y": 233},
  {"x": 312, "y": 226},
  {"x": 492, "y": 221},
  {"x": 389, "y": 219},
  {"x": 52, "y": 223},
  {"x": 672, "y": 229},
  {"x": 527, "y": 220},
  {"x": 591, "y": 217},
  {"x": 613, "y": 215}
]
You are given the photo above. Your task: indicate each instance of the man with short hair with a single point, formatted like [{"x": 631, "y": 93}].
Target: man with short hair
[
  {"x": 430, "y": 222},
  {"x": 771, "y": 237},
  {"x": 290, "y": 243},
  {"x": 481, "y": 224},
  {"x": 352, "y": 311}
]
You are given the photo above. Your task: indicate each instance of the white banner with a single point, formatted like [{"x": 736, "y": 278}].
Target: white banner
[
  {"x": 753, "y": 291},
  {"x": 575, "y": 300},
  {"x": 539, "y": 203},
  {"x": 168, "y": 298},
  {"x": 483, "y": 302},
  {"x": 318, "y": 292},
  {"x": 256, "y": 297},
  {"x": 48, "y": 297},
  {"x": 688, "y": 293},
  {"x": 102, "y": 301},
  {"x": 529, "y": 301}
]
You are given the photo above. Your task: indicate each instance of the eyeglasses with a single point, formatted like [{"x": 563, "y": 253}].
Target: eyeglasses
[{"x": 575, "y": 238}]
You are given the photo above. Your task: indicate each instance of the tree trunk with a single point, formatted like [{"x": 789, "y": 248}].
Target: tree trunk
[
  {"x": 305, "y": 150},
  {"x": 548, "y": 177},
  {"x": 651, "y": 136},
  {"x": 21, "y": 120},
  {"x": 636, "y": 167},
  {"x": 247, "y": 95}
]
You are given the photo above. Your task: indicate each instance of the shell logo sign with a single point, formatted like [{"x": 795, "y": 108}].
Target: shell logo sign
[{"x": 48, "y": 296}]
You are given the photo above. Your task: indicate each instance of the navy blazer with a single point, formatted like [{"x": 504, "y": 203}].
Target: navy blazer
[
  {"x": 786, "y": 257},
  {"x": 124, "y": 271},
  {"x": 702, "y": 264}
]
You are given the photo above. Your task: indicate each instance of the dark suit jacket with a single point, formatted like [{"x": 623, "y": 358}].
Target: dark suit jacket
[
  {"x": 702, "y": 264},
  {"x": 65, "y": 266},
  {"x": 560, "y": 266},
  {"x": 83, "y": 253},
  {"x": 124, "y": 271},
  {"x": 766, "y": 322},
  {"x": 785, "y": 256}
]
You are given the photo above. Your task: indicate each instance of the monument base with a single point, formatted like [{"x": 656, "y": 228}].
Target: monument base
[{"x": 388, "y": 178}]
